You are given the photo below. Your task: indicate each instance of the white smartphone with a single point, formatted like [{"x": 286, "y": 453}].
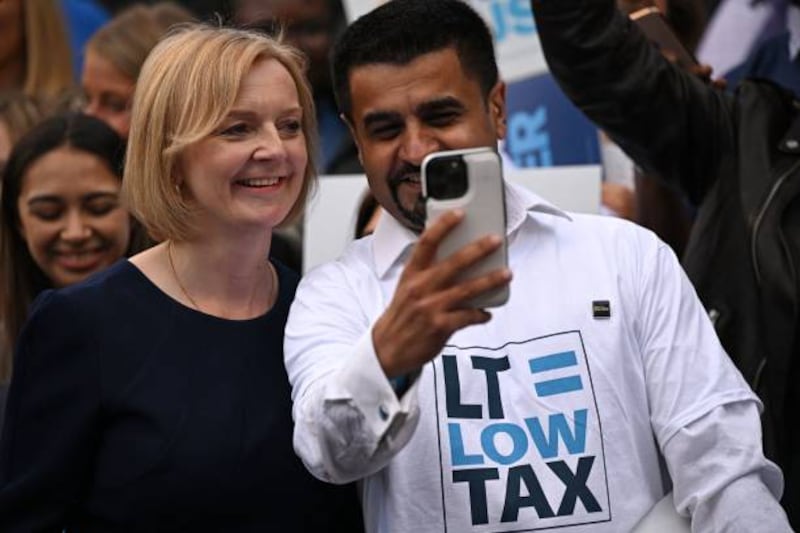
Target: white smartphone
[
  {"x": 470, "y": 180},
  {"x": 657, "y": 29}
]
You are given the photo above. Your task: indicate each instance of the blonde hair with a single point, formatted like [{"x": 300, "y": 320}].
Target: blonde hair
[
  {"x": 48, "y": 65},
  {"x": 187, "y": 87},
  {"x": 19, "y": 112},
  {"x": 126, "y": 39}
]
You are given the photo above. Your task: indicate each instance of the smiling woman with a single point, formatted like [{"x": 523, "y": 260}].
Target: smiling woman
[
  {"x": 60, "y": 218},
  {"x": 153, "y": 396}
]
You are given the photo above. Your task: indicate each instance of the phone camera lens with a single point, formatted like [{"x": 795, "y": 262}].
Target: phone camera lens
[{"x": 447, "y": 178}]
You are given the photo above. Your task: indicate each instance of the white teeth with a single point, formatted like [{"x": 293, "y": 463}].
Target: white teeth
[{"x": 259, "y": 182}]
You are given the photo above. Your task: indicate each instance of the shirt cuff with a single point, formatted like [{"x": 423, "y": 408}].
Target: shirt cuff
[{"x": 371, "y": 391}]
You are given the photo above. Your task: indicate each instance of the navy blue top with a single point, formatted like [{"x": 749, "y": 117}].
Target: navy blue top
[
  {"x": 131, "y": 412},
  {"x": 769, "y": 61}
]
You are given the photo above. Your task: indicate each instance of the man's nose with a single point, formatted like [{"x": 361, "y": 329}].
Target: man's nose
[{"x": 417, "y": 143}]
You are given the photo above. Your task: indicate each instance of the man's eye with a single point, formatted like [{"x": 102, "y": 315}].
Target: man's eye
[
  {"x": 443, "y": 119},
  {"x": 388, "y": 131}
]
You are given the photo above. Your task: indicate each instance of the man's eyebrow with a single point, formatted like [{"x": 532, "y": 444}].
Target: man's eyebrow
[
  {"x": 374, "y": 117},
  {"x": 439, "y": 104}
]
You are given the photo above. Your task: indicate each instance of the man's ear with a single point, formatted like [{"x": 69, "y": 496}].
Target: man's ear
[
  {"x": 352, "y": 129},
  {"x": 497, "y": 108}
]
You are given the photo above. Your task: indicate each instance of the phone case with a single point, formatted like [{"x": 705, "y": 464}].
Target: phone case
[{"x": 485, "y": 213}]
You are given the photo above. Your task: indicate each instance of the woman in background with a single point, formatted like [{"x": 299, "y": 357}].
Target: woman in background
[
  {"x": 60, "y": 216},
  {"x": 153, "y": 397},
  {"x": 114, "y": 57},
  {"x": 34, "y": 48}
]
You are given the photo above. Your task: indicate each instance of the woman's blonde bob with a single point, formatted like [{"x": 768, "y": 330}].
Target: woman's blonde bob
[{"x": 186, "y": 88}]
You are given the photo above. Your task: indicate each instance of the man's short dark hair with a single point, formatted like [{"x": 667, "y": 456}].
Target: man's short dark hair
[{"x": 402, "y": 30}]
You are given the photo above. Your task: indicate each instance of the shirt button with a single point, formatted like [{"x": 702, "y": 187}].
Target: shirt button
[{"x": 383, "y": 412}]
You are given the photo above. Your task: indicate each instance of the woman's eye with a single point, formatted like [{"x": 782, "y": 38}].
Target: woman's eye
[
  {"x": 48, "y": 214},
  {"x": 118, "y": 107},
  {"x": 235, "y": 130},
  {"x": 103, "y": 207},
  {"x": 114, "y": 104},
  {"x": 291, "y": 126}
]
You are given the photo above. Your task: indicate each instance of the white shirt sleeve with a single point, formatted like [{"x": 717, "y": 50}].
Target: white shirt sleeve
[
  {"x": 349, "y": 422},
  {"x": 735, "y": 488},
  {"x": 703, "y": 413}
]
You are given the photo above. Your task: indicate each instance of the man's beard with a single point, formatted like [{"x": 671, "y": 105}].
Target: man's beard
[{"x": 416, "y": 216}]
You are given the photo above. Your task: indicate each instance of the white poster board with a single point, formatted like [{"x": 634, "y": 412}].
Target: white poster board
[
  {"x": 519, "y": 54},
  {"x": 331, "y": 213}
]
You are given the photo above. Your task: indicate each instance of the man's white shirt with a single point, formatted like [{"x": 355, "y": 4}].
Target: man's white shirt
[{"x": 550, "y": 415}]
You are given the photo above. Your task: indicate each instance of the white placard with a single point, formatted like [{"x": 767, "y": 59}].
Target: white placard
[
  {"x": 330, "y": 215},
  {"x": 519, "y": 54}
]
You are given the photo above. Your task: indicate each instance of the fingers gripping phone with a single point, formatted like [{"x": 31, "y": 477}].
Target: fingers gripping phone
[
  {"x": 470, "y": 180},
  {"x": 657, "y": 30}
]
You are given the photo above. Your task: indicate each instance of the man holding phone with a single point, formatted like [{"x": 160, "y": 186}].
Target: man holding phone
[
  {"x": 737, "y": 157},
  {"x": 553, "y": 410}
]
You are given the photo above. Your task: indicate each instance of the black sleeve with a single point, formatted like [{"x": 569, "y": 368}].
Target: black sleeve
[
  {"x": 50, "y": 432},
  {"x": 667, "y": 120}
]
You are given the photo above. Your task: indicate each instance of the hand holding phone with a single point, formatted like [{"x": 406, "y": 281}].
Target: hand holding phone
[
  {"x": 470, "y": 180},
  {"x": 456, "y": 269}
]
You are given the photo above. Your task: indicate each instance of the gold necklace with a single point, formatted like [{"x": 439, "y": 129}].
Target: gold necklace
[
  {"x": 272, "y": 289},
  {"x": 178, "y": 280}
]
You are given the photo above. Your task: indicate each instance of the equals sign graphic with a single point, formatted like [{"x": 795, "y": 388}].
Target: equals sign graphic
[{"x": 563, "y": 385}]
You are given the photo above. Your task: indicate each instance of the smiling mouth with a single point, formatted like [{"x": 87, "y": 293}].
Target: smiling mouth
[
  {"x": 260, "y": 182},
  {"x": 80, "y": 260},
  {"x": 413, "y": 179}
]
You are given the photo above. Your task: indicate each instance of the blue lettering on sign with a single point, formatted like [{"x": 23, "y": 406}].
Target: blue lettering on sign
[
  {"x": 558, "y": 431},
  {"x": 518, "y": 438},
  {"x": 511, "y": 17},
  {"x": 460, "y": 458},
  {"x": 528, "y": 141}
]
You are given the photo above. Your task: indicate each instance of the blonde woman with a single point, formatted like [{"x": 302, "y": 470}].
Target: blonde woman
[
  {"x": 153, "y": 397},
  {"x": 114, "y": 57},
  {"x": 34, "y": 48}
]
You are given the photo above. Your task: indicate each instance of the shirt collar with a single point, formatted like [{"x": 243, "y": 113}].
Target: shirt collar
[
  {"x": 392, "y": 241},
  {"x": 793, "y": 23}
]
